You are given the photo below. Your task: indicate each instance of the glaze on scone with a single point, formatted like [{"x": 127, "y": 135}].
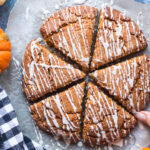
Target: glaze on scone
[
  {"x": 70, "y": 30},
  {"x": 128, "y": 81},
  {"x": 44, "y": 72},
  {"x": 117, "y": 36},
  {"x": 61, "y": 114},
  {"x": 104, "y": 120}
]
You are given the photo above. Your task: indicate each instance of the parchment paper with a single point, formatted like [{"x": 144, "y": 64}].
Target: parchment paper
[{"x": 24, "y": 23}]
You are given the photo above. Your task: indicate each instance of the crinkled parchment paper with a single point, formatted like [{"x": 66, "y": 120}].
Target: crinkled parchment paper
[{"x": 24, "y": 23}]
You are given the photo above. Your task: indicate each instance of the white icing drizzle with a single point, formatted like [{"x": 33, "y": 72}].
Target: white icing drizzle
[
  {"x": 27, "y": 13},
  {"x": 79, "y": 44},
  {"x": 44, "y": 75},
  {"x": 114, "y": 38},
  {"x": 57, "y": 6},
  {"x": 140, "y": 19},
  {"x": 101, "y": 107},
  {"x": 121, "y": 78},
  {"x": 48, "y": 106},
  {"x": 80, "y": 144},
  {"x": 111, "y": 2},
  {"x": 79, "y": 2},
  {"x": 18, "y": 69},
  {"x": 38, "y": 135},
  {"x": 62, "y": 146},
  {"x": 45, "y": 14}
]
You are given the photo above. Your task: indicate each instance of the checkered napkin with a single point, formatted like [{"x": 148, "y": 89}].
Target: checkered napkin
[{"x": 11, "y": 137}]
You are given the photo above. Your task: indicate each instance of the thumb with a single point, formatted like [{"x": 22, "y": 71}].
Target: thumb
[{"x": 143, "y": 116}]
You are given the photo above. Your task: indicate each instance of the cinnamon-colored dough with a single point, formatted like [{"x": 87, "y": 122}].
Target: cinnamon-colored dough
[
  {"x": 44, "y": 72},
  {"x": 117, "y": 36},
  {"x": 70, "y": 30},
  {"x": 61, "y": 114},
  {"x": 128, "y": 82},
  {"x": 104, "y": 120}
]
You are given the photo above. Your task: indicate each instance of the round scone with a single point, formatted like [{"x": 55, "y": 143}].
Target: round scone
[
  {"x": 128, "y": 82},
  {"x": 118, "y": 36},
  {"x": 45, "y": 72},
  {"x": 104, "y": 120},
  {"x": 61, "y": 114},
  {"x": 70, "y": 30}
]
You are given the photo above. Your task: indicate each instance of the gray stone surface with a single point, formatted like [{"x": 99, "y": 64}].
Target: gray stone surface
[{"x": 23, "y": 25}]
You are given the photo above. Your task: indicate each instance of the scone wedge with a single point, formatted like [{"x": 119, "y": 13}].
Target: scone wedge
[
  {"x": 70, "y": 31},
  {"x": 60, "y": 114},
  {"x": 128, "y": 82},
  {"x": 44, "y": 72},
  {"x": 117, "y": 36},
  {"x": 104, "y": 121}
]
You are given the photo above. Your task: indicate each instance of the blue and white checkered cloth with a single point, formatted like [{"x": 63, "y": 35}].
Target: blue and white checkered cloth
[{"x": 11, "y": 137}]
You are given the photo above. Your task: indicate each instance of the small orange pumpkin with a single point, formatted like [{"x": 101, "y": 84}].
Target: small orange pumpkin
[
  {"x": 146, "y": 149},
  {"x": 5, "y": 51},
  {"x": 2, "y": 2}
]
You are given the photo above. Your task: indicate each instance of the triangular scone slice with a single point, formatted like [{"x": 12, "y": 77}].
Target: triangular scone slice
[
  {"x": 117, "y": 36},
  {"x": 70, "y": 30},
  {"x": 60, "y": 114},
  {"x": 104, "y": 120},
  {"x": 44, "y": 72},
  {"x": 128, "y": 82}
]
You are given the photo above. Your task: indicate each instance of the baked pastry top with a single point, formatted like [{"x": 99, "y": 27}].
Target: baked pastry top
[
  {"x": 117, "y": 36},
  {"x": 61, "y": 104},
  {"x": 60, "y": 114},
  {"x": 44, "y": 72},
  {"x": 70, "y": 30},
  {"x": 104, "y": 120},
  {"x": 128, "y": 82}
]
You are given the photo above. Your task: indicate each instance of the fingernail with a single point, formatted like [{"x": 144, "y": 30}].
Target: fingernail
[{"x": 140, "y": 116}]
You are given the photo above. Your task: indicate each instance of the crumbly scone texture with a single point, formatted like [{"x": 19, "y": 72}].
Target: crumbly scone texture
[
  {"x": 44, "y": 72},
  {"x": 65, "y": 114},
  {"x": 70, "y": 30},
  {"x": 128, "y": 82},
  {"x": 61, "y": 114},
  {"x": 104, "y": 120},
  {"x": 117, "y": 36}
]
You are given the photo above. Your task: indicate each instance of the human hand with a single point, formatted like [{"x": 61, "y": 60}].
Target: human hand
[{"x": 144, "y": 116}]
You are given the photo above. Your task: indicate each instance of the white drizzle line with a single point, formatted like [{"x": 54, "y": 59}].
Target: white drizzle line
[
  {"x": 75, "y": 39},
  {"x": 37, "y": 73},
  {"x": 110, "y": 41},
  {"x": 124, "y": 76},
  {"x": 100, "y": 100},
  {"x": 50, "y": 117}
]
